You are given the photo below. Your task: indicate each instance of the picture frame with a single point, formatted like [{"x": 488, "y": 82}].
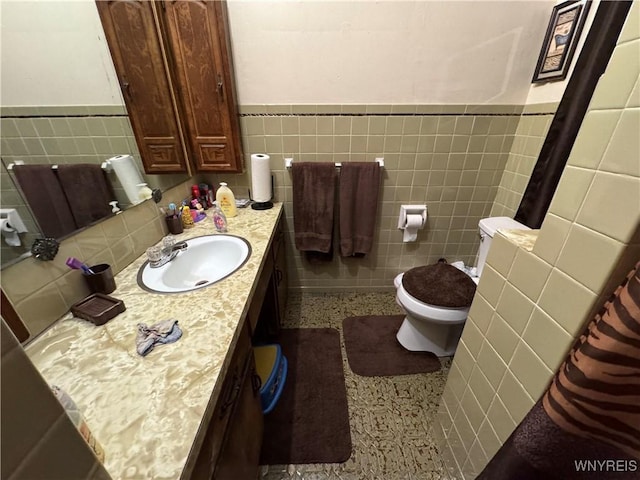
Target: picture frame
[{"x": 559, "y": 45}]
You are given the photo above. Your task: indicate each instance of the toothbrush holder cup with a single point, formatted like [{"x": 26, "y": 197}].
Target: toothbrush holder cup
[
  {"x": 101, "y": 280},
  {"x": 174, "y": 224}
]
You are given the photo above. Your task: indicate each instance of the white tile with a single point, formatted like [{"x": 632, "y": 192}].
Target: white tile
[
  {"x": 619, "y": 78},
  {"x": 530, "y": 371},
  {"x": 491, "y": 364},
  {"x": 611, "y": 206},
  {"x": 623, "y": 152},
  {"x": 566, "y": 301},
  {"x": 589, "y": 257},
  {"x": 547, "y": 339},
  {"x": 514, "y": 397}
]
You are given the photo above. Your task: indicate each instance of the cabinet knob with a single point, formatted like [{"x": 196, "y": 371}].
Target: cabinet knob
[
  {"x": 219, "y": 85},
  {"x": 232, "y": 395},
  {"x": 256, "y": 382}
]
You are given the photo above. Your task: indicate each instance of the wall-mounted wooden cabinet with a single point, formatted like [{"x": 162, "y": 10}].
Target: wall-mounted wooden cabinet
[{"x": 173, "y": 61}]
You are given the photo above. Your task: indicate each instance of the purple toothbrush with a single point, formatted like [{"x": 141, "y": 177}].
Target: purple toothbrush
[{"x": 76, "y": 264}]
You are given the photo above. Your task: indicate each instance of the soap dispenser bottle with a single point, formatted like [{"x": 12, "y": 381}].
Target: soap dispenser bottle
[
  {"x": 226, "y": 200},
  {"x": 219, "y": 220}
]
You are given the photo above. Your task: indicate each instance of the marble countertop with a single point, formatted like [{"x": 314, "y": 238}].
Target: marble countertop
[
  {"x": 146, "y": 412},
  {"x": 522, "y": 238}
]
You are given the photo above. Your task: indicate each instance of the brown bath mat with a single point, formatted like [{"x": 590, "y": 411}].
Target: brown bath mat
[
  {"x": 374, "y": 351},
  {"x": 310, "y": 423}
]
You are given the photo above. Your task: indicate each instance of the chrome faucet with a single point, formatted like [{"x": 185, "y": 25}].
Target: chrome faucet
[{"x": 167, "y": 254}]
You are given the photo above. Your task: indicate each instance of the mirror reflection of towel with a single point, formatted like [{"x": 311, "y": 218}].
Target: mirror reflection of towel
[
  {"x": 88, "y": 192},
  {"x": 47, "y": 200}
]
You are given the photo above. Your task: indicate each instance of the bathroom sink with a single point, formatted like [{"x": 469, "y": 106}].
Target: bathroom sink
[{"x": 205, "y": 261}]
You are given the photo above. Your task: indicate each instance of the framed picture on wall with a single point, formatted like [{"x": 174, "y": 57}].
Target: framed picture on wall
[{"x": 563, "y": 33}]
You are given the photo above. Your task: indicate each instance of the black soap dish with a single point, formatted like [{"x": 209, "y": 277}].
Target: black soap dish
[{"x": 98, "y": 308}]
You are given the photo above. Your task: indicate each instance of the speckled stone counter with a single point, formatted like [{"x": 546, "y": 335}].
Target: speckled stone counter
[
  {"x": 523, "y": 238},
  {"x": 147, "y": 411}
]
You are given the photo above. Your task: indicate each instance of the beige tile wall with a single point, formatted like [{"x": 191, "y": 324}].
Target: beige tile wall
[
  {"x": 449, "y": 157},
  {"x": 42, "y": 292},
  {"x": 530, "y": 305},
  {"x": 38, "y": 438},
  {"x": 527, "y": 142}
]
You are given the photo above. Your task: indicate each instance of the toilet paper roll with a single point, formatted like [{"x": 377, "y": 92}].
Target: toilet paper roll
[
  {"x": 414, "y": 222},
  {"x": 9, "y": 233},
  {"x": 260, "y": 178},
  {"x": 128, "y": 175}
]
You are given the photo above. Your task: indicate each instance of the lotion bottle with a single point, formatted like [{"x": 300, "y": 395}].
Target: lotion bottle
[
  {"x": 219, "y": 220},
  {"x": 226, "y": 200}
]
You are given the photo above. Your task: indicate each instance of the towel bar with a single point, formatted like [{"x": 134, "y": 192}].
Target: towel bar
[
  {"x": 105, "y": 165},
  {"x": 289, "y": 161}
]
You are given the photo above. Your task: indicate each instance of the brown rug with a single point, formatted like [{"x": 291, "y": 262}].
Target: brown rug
[
  {"x": 310, "y": 423},
  {"x": 374, "y": 351}
]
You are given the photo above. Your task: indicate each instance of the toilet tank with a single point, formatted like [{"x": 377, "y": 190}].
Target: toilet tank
[{"x": 488, "y": 228}]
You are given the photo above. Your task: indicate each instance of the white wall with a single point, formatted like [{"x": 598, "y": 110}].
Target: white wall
[
  {"x": 389, "y": 52},
  {"x": 54, "y": 53},
  {"x": 299, "y": 51}
]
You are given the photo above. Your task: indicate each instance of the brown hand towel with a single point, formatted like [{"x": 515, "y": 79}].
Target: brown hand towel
[
  {"x": 314, "y": 187},
  {"x": 48, "y": 202},
  {"x": 359, "y": 187},
  {"x": 88, "y": 192}
]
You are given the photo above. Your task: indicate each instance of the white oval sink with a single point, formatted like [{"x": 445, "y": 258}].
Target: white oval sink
[{"x": 205, "y": 261}]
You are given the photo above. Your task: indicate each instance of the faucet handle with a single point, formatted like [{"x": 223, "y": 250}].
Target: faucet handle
[
  {"x": 168, "y": 241},
  {"x": 180, "y": 246}
]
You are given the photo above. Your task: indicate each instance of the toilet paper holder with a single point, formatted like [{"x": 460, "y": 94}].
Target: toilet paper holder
[
  {"x": 13, "y": 219},
  {"x": 411, "y": 210}
]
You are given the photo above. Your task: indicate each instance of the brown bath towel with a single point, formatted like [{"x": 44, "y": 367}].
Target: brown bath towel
[
  {"x": 314, "y": 187},
  {"x": 48, "y": 202},
  {"x": 88, "y": 192},
  {"x": 359, "y": 187}
]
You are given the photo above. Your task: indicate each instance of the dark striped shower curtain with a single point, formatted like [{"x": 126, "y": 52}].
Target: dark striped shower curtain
[{"x": 587, "y": 423}]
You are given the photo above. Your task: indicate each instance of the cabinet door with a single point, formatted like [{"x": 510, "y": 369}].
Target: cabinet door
[
  {"x": 136, "y": 48},
  {"x": 197, "y": 32},
  {"x": 241, "y": 452},
  {"x": 280, "y": 278},
  {"x": 281, "y": 281}
]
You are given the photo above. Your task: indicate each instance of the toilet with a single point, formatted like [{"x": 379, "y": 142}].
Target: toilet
[{"x": 436, "y": 298}]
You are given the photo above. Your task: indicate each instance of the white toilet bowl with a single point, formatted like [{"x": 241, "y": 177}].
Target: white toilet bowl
[
  {"x": 428, "y": 327},
  {"x": 437, "y": 329}
]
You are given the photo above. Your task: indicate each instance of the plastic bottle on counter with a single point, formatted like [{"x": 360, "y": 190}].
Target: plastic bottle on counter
[
  {"x": 78, "y": 420},
  {"x": 226, "y": 200},
  {"x": 219, "y": 220}
]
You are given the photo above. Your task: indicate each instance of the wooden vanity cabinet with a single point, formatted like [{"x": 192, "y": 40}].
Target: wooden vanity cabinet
[
  {"x": 267, "y": 316},
  {"x": 232, "y": 443},
  {"x": 231, "y": 447},
  {"x": 173, "y": 61},
  {"x": 275, "y": 303}
]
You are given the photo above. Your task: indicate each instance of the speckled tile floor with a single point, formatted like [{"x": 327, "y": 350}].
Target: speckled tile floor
[{"x": 390, "y": 417}]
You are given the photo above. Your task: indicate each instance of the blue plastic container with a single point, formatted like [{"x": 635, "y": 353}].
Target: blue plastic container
[{"x": 271, "y": 366}]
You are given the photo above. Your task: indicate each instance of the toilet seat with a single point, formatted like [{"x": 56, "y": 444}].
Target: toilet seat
[
  {"x": 440, "y": 285},
  {"x": 426, "y": 311}
]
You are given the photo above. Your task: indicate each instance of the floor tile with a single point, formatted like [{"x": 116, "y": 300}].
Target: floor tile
[{"x": 391, "y": 417}]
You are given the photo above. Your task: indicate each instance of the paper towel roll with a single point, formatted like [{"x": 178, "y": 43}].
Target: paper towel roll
[
  {"x": 9, "y": 233},
  {"x": 414, "y": 222},
  {"x": 260, "y": 178},
  {"x": 128, "y": 175}
]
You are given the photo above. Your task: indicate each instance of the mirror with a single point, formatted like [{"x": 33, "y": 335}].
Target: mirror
[{"x": 61, "y": 102}]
